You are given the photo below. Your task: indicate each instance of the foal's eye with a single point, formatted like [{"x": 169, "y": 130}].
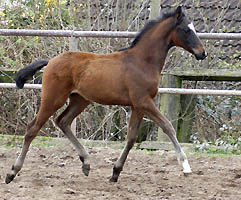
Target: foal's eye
[{"x": 187, "y": 30}]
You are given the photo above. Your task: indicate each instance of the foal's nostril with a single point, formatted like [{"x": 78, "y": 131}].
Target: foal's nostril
[
  {"x": 201, "y": 56},
  {"x": 205, "y": 54}
]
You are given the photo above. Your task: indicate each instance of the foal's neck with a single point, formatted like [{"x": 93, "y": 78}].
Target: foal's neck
[{"x": 154, "y": 45}]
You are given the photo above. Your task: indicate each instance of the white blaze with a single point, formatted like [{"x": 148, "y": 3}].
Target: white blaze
[{"x": 191, "y": 26}]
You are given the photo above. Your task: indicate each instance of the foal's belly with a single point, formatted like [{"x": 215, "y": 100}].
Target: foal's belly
[
  {"x": 107, "y": 93},
  {"x": 105, "y": 98}
]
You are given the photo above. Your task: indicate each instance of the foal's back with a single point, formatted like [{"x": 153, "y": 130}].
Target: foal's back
[{"x": 98, "y": 78}]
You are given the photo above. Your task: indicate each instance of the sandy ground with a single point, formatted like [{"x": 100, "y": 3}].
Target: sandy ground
[{"x": 54, "y": 173}]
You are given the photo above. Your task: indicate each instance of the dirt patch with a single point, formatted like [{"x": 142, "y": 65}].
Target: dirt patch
[{"x": 55, "y": 173}]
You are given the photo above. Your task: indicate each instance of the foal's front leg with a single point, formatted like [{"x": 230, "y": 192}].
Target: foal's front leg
[
  {"x": 149, "y": 108},
  {"x": 133, "y": 127}
]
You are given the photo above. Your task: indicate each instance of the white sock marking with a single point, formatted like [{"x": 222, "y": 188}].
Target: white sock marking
[{"x": 186, "y": 166}]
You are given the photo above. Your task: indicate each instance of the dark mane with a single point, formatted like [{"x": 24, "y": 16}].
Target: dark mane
[{"x": 151, "y": 23}]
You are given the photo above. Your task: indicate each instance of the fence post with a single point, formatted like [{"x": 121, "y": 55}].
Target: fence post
[
  {"x": 170, "y": 104},
  {"x": 73, "y": 46},
  {"x": 187, "y": 113}
]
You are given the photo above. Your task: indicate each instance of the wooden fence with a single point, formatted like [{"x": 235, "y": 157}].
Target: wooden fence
[{"x": 170, "y": 105}]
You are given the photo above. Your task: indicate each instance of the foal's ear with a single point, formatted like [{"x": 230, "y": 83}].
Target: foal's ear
[{"x": 179, "y": 12}]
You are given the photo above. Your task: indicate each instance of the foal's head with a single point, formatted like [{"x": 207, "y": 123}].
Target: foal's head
[{"x": 185, "y": 36}]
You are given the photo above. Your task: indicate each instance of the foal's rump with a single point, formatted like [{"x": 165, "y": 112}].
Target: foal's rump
[{"x": 28, "y": 71}]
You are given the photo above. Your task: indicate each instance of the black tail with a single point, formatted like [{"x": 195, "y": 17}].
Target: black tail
[{"x": 27, "y": 72}]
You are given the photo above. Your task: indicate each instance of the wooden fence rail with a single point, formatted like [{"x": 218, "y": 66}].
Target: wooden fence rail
[
  {"x": 104, "y": 34},
  {"x": 160, "y": 90}
]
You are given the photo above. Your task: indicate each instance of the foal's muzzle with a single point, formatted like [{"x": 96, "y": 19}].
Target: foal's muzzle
[{"x": 201, "y": 56}]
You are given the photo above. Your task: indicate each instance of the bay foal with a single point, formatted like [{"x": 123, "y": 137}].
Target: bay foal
[{"x": 129, "y": 77}]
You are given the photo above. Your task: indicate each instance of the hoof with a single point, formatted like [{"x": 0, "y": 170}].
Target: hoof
[
  {"x": 113, "y": 180},
  {"x": 187, "y": 172},
  {"x": 186, "y": 167},
  {"x": 9, "y": 178},
  {"x": 86, "y": 169}
]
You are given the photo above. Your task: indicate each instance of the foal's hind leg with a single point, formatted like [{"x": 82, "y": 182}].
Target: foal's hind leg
[
  {"x": 134, "y": 124},
  {"x": 76, "y": 105},
  {"x": 32, "y": 131},
  {"x": 29, "y": 136},
  {"x": 51, "y": 101},
  {"x": 149, "y": 108}
]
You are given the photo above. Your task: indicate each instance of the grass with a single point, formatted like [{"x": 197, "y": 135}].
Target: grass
[
  {"x": 212, "y": 149},
  {"x": 12, "y": 141}
]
